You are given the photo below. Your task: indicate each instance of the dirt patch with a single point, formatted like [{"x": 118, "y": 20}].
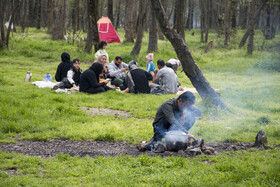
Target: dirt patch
[
  {"x": 106, "y": 112},
  {"x": 99, "y": 148}
]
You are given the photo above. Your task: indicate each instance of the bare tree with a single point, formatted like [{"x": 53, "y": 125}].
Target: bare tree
[
  {"x": 257, "y": 14},
  {"x": 180, "y": 7},
  {"x": 251, "y": 27},
  {"x": 153, "y": 34},
  {"x": 50, "y": 15},
  {"x": 202, "y": 6},
  {"x": 75, "y": 15},
  {"x": 24, "y": 15},
  {"x": 110, "y": 10},
  {"x": 2, "y": 17},
  {"x": 117, "y": 15},
  {"x": 140, "y": 27},
  {"x": 31, "y": 13},
  {"x": 233, "y": 14},
  {"x": 38, "y": 13},
  {"x": 189, "y": 66},
  {"x": 129, "y": 26},
  {"x": 190, "y": 14},
  {"x": 59, "y": 29},
  {"x": 92, "y": 33},
  {"x": 5, "y": 38},
  {"x": 227, "y": 22}
]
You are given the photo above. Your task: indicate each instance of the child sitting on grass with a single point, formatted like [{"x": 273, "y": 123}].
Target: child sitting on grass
[{"x": 73, "y": 76}]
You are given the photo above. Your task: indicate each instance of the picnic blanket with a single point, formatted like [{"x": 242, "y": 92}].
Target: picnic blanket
[
  {"x": 44, "y": 84},
  {"x": 193, "y": 90}
]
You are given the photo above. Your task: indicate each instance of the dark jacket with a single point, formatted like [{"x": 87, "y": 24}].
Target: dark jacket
[
  {"x": 170, "y": 111},
  {"x": 90, "y": 78},
  {"x": 63, "y": 67},
  {"x": 76, "y": 75},
  {"x": 141, "y": 80}
]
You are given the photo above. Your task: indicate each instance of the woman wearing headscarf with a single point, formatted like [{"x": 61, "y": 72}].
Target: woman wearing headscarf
[
  {"x": 102, "y": 59},
  {"x": 63, "y": 67},
  {"x": 89, "y": 80}
]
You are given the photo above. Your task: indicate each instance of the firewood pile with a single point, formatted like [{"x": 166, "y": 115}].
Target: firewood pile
[
  {"x": 198, "y": 147},
  {"x": 194, "y": 148}
]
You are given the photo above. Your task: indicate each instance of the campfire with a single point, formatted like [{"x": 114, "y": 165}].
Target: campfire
[{"x": 178, "y": 141}]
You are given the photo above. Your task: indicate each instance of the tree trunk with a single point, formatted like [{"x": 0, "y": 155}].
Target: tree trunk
[
  {"x": 251, "y": 27},
  {"x": 2, "y": 14},
  {"x": 31, "y": 12},
  {"x": 118, "y": 11},
  {"x": 268, "y": 31},
  {"x": 207, "y": 20},
  {"x": 59, "y": 26},
  {"x": 189, "y": 66},
  {"x": 190, "y": 15},
  {"x": 38, "y": 13},
  {"x": 92, "y": 33},
  {"x": 24, "y": 16},
  {"x": 165, "y": 5},
  {"x": 50, "y": 15},
  {"x": 75, "y": 16},
  {"x": 257, "y": 14},
  {"x": 153, "y": 37},
  {"x": 101, "y": 7},
  {"x": 244, "y": 15},
  {"x": 233, "y": 14},
  {"x": 179, "y": 26},
  {"x": 202, "y": 5},
  {"x": 227, "y": 22},
  {"x": 14, "y": 12},
  {"x": 129, "y": 25},
  {"x": 140, "y": 27},
  {"x": 110, "y": 10}
]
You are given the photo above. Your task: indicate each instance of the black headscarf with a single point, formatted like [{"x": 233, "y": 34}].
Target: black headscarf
[
  {"x": 65, "y": 57},
  {"x": 97, "y": 68}
]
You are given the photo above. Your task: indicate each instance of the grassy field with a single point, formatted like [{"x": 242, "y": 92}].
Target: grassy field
[{"x": 249, "y": 85}]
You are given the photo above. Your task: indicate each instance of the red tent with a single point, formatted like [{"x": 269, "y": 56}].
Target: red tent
[{"x": 106, "y": 31}]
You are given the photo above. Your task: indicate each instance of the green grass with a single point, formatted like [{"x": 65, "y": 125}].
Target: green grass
[
  {"x": 252, "y": 168},
  {"x": 249, "y": 85}
]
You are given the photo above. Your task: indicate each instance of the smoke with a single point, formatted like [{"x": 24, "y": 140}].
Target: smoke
[
  {"x": 187, "y": 119},
  {"x": 176, "y": 136}
]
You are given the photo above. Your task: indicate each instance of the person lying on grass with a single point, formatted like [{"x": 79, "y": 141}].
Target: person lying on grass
[
  {"x": 73, "y": 77},
  {"x": 89, "y": 80},
  {"x": 175, "y": 114}
]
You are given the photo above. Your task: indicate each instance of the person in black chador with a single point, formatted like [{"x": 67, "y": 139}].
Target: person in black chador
[
  {"x": 175, "y": 114},
  {"x": 89, "y": 80},
  {"x": 63, "y": 67},
  {"x": 136, "y": 80}
]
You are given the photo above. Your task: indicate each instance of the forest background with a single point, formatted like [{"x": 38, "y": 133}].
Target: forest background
[{"x": 248, "y": 81}]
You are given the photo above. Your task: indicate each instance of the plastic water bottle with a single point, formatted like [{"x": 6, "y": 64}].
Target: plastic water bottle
[
  {"x": 28, "y": 76},
  {"x": 48, "y": 77}
]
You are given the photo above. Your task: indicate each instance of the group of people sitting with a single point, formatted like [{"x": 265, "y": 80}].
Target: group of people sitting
[
  {"x": 174, "y": 114},
  {"x": 103, "y": 76}
]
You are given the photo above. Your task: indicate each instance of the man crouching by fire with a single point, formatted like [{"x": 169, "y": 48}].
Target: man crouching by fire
[{"x": 177, "y": 114}]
